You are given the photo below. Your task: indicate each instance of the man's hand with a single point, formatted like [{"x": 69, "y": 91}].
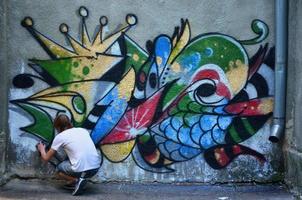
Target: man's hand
[
  {"x": 46, "y": 156},
  {"x": 41, "y": 147}
]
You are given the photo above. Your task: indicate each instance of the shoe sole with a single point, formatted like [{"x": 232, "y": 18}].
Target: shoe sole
[
  {"x": 79, "y": 188},
  {"x": 68, "y": 187}
]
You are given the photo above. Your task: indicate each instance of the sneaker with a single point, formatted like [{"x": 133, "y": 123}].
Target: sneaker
[{"x": 79, "y": 186}]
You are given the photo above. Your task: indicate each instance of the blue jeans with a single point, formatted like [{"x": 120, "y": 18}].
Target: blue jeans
[{"x": 65, "y": 167}]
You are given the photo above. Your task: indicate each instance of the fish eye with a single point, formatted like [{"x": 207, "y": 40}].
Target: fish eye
[
  {"x": 206, "y": 89},
  {"x": 205, "y": 92}
]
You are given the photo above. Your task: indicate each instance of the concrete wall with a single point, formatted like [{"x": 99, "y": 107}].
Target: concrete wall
[
  {"x": 3, "y": 91},
  {"x": 145, "y": 155},
  {"x": 292, "y": 147}
]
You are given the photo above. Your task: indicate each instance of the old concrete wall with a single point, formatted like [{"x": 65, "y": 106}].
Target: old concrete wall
[
  {"x": 292, "y": 147},
  {"x": 3, "y": 90},
  {"x": 197, "y": 144}
]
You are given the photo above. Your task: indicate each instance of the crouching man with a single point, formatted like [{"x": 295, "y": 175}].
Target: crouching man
[{"x": 83, "y": 159}]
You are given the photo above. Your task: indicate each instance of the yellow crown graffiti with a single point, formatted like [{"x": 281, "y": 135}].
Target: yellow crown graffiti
[
  {"x": 74, "y": 74},
  {"x": 86, "y": 47}
]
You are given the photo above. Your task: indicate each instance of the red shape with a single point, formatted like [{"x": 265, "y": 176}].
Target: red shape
[
  {"x": 133, "y": 121},
  {"x": 248, "y": 108},
  {"x": 142, "y": 77},
  {"x": 222, "y": 158},
  {"x": 236, "y": 150},
  {"x": 222, "y": 90},
  {"x": 152, "y": 158},
  {"x": 206, "y": 74}
]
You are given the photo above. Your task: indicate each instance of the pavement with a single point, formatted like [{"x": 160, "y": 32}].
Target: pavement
[{"x": 45, "y": 189}]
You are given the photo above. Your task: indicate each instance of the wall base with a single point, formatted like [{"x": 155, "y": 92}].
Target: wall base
[{"x": 294, "y": 170}]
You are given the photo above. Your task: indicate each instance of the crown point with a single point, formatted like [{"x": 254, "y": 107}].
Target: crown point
[
  {"x": 63, "y": 28},
  {"x": 27, "y": 22},
  {"x": 131, "y": 19},
  {"x": 83, "y": 11},
  {"x": 103, "y": 20}
]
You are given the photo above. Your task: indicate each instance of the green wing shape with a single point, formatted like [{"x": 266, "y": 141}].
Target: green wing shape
[{"x": 42, "y": 126}]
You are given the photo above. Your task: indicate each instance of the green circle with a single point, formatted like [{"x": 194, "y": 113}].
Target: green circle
[
  {"x": 86, "y": 70},
  {"x": 75, "y": 64},
  {"x": 79, "y": 104}
]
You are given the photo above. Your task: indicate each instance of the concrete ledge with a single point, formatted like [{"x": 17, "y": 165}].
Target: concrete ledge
[
  {"x": 42, "y": 189},
  {"x": 293, "y": 177}
]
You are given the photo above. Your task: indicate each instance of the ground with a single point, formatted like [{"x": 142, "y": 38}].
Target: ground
[{"x": 44, "y": 189}]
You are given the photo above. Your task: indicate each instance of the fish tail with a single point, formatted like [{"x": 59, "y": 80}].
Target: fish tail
[
  {"x": 151, "y": 153},
  {"x": 222, "y": 155}
]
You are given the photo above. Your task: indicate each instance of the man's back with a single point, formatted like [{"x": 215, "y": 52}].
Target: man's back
[{"x": 79, "y": 148}]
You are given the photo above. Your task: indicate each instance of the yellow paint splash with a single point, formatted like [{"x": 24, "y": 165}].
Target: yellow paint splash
[
  {"x": 237, "y": 75},
  {"x": 126, "y": 85},
  {"x": 266, "y": 106},
  {"x": 135, "y": 57},
  {"x": 118, "y": 152},
  {"x": 159, "y": 60},
  {"x": 176, "y": 67}
]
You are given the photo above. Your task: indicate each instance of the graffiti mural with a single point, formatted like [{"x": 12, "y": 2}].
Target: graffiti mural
[{"x": 180, "y": 98}]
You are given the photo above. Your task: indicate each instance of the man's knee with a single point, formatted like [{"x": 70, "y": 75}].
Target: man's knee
[{"x": 90, "y": 173}]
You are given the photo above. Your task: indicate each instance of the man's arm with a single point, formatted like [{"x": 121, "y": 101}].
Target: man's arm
[{"x": 46, "y": 156}]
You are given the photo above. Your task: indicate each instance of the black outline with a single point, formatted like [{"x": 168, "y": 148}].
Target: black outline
[{"x": 146, "y": 68}]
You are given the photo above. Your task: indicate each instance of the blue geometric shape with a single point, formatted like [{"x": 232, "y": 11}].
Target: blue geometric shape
[
  {"x": 162, "y": 50},
  {"x": 176, "y": 156},
  {"x": 185, "y": 138},
  {"x": 106, "y": 122},
  {"x": 191, "y": 62},
  {"x": 171, "y": 133},
  {"x": 176, "y": 122},
  {"x": 206, "y": 141},
  {"x": 218, "y": 135},
  {"x": 196, "y": 133},
  {"x": 207, "y": 122},
  {"x": 224, "y": 121},
  {"x": 189, "y": 152},
  {"x": 172, "y": 146},
  {"x": 164, "y": 124},
  {"x": 192, "y": 119}
]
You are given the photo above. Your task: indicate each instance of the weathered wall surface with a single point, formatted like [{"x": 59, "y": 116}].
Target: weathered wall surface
[
  {"x": 192, "y": 104},
  {"x": 3, "y": 90},
  {"x": 293, "y": 149}
]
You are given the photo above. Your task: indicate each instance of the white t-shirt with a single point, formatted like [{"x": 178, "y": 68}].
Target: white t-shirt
[{"x": 79, "y": 148}]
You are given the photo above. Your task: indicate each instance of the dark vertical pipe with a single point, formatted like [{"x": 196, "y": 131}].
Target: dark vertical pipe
[{"x": 277, "y": 128}]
